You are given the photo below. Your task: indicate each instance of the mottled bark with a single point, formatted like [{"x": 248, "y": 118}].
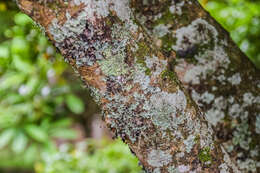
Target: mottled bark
[
  {"x": 127, "y": 52},
  {"x": 218, "y": 76}
]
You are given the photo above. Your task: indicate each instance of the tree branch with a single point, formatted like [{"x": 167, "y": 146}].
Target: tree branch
[
  {"x": 218, "y": 76},
  {"x": 131, "y": 75}
]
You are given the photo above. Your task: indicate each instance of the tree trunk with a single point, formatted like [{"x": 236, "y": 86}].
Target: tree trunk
[{"x": 145, "y": 62}]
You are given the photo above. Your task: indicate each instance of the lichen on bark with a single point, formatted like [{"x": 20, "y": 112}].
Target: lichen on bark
[
  {"x": 218, "y": 76},
  {"x": 135, "y": 79}
]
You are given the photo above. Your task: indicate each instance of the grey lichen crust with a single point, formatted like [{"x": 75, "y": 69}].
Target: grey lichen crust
[
  {"x": 158, "y": 158},
  {"x": 219, "y": 77},
  {"x": 142, "y": 101}
]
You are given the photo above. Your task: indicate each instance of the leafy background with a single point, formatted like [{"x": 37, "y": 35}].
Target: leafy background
[{"x": 46, "y": 118}]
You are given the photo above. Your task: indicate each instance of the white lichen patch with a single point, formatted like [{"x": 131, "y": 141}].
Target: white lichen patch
[
  {"x": 249, "y": 165},
  {"x": 157, "y": 170},
  {"x": 71, "y": 28},
  {"x": 223, "y": 168},
  {"x": 235, "y": 79},
  {"x": 208, "y": 60},
  {"x": 176, "y": 100},
  {"x": 154, "y": 62},
  {"x": 194, "y": 35},
  {"x": 103, "y": 8},
  {"x": 250, "y": 99},
  {"x": 161, "y": 30},
  {"x": 207, "y": 97},
  {"x": 254, "y": 152},
  {"x": 176, "y": 8},
  {"x": 180, "y": 155},
  {"x": 241, "y": 136},
  {"x": 257, "y": 124},
  {"x": 228, "y": 162},
  {"x": 206, "y": 133},
  {"x": 121, "y": 7},
  {"x": 221, "y": 78},
  {"x": 141, "y": 78},
  {"x": 258, "y": 84},
  {"x": 235, "y": 110},
  {"x": 216, "y": 113},
  {"x": 92, "y": 10},
  {"x": 183, "y": 168},
  {"x": 166, "y": 106},
  {"x": 180, "y": 169},
  {"x": 159, "y": 158},
  {"x": 196, "y": 97},
  {"x": 214, "y": 116},
  {"x": 80, "y": 31},
  {"x": 189, "y": 143}
]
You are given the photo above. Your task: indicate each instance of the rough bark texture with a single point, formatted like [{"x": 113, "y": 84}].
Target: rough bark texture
[
  {"x": 137, "y": 55},
  {"x": 218, "y": 76}
]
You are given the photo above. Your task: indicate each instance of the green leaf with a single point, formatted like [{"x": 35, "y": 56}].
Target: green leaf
[
  {"x": 64, "y": 133},
  {"x": 19, "y": 143},
  {"x": 19, "y": 45},
  {"x": 6, "y": 137},
  {"x": 36, "y": 133},
  {"x": 75, "y": 104},
  {"x": 11, "y": 80},
  {"x": 47, "y": 109},
  {"x": 65, "y": 122},
  {"x": 4, "y": 52},
  {"x": 22, "y": 65},
  {"x": 22, "y": 19},
  {"x": 31, "y": 154},
  {"x": 13, "y": 98}
]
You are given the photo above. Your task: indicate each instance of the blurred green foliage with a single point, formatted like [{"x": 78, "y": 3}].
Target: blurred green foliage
[
  {"x": 242, "y": 19},
  {"x": 90, "y": 157},
  {"x": 38, "y": 105},
  {"x": 35, "y": 99}
]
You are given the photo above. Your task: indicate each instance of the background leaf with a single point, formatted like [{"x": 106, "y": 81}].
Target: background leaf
[
  {"x": 75, "y": 104},
  {"x": 6, "y": 136},
  {"x": 19, "y": 143},
  {"x": 37, "y": 133}
]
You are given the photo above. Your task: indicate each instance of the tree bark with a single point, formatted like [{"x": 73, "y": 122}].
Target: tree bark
[
  {"x": 145, "y": 62},
  {"x": 217, "y": 75}
]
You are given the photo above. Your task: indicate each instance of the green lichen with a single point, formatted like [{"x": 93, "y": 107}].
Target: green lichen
[
  {"x": 143, "y": 50},
  {"x": 197, "y": 139},
  {"x": 141, "y": 60},
  {"x": 141, "y": 55},
  {"x": 167, "y": 74},
  {"x": 113, "y": 65},
  {"x": 184, "y": 19},
  {"x": 167, "y": 41},
  {"x": 167, "y": 17},
  {"x": 148, "y": 72},
  {"x": 204, "y": 155}
]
